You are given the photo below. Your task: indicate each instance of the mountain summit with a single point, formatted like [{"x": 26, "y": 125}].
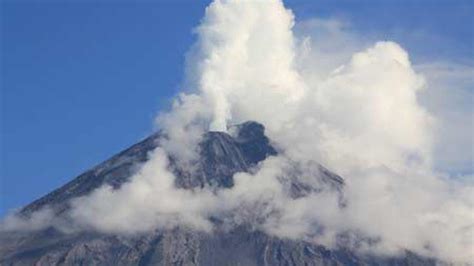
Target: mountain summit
[{"x": 221, "y": 155}]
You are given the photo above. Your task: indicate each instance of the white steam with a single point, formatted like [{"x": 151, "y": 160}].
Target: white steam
[
  {"x": 358, "y": 114},
  {"x": 244, "y": 57}
]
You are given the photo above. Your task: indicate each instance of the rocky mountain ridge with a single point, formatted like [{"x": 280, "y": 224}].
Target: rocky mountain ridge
[{"x": 220, "y": 156}]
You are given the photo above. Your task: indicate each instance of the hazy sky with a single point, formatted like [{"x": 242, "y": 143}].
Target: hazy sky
[{"x": 82, "y": 80}]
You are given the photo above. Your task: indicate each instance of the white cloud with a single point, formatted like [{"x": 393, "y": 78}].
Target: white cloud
[
  {"x": 362, "y": 110},
  {"x": 240, "y": 62},
  {"x": 148, "y": 202}
]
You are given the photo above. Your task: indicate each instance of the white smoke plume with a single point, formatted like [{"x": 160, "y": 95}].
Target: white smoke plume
[
  {"x": 356, "y": 113},
  {"x": 239, "y": 62}
]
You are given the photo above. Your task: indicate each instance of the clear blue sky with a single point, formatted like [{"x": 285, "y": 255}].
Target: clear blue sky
[{"x": 82, "y": 80}]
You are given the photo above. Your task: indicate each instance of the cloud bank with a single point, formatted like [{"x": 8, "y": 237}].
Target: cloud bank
[{"x": 325, "y": 97}]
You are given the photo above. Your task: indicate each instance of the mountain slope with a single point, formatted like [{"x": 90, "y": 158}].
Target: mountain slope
[{"x": 220, "y": 156}]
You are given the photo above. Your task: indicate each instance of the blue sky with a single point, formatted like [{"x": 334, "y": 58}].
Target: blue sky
[{"x": 81, "y": 81}]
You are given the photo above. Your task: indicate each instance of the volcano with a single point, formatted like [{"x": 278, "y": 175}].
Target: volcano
[{"x": 221, "y": 155}]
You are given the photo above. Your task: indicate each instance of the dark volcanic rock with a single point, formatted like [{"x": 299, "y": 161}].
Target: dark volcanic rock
[
  {"x": 240, "y": 246},
  {"x": 221, "y": 156}
]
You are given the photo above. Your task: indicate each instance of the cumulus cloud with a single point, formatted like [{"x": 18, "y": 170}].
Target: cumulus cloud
[
  {"x": 150, "y": 201},
  {"x": 323, "y": 95}
]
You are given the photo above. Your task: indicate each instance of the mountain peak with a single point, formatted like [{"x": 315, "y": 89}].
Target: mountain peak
[{"x": 221, "y": 155}]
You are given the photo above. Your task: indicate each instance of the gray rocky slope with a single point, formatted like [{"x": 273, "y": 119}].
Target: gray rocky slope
[{"x": 221, "y": 155}]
